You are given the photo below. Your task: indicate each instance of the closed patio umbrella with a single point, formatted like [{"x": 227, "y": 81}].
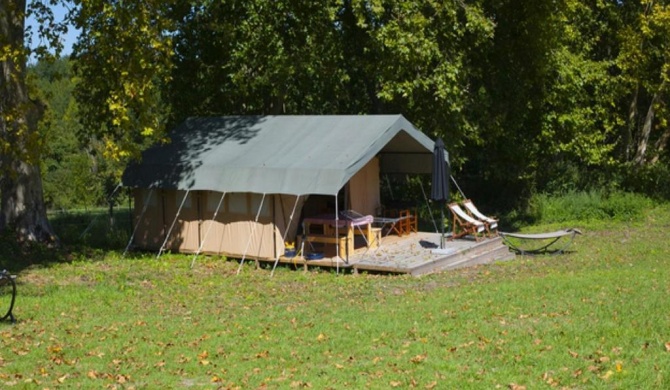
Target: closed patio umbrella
[{"x": 439, "y": 190}]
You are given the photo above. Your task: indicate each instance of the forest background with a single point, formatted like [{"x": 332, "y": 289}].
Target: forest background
[{"x": 530, "y": 97}]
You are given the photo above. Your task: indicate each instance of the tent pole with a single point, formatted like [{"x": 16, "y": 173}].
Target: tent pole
[
  {"x": 144, "y": 209},
  {"x": 202, "y": 243},
  {"x": 174, "y": 221},
  {"x": 337, "y": 236},
  {"x": 290, "y": 220},
  {"x": 251, "y": 236}
]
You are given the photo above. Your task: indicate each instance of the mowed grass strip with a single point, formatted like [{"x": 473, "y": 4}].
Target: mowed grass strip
[{"x": 598, "y": 317}]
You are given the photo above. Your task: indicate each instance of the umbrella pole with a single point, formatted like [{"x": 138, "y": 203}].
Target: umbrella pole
[{"x": 442, "y": 223}]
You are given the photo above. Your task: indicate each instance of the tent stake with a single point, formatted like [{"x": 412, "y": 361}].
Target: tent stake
[
  {"x": 290, "y": 220},
  {"x": 202, "y": 243},
  {"x": 144, "y": 209},
  {"x": 167, "y": 236},
  {"x": 251, "y": 236}
]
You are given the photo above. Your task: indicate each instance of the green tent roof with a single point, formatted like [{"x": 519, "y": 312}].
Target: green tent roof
[{"x": 296, "y": 155}]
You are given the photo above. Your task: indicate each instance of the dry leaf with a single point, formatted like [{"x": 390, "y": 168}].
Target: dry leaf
[
  {"x": 573, "y": 354},
  {"x": 418, "y": 358},
  {"x": 431, "y": 385},
  {"x": 321, "y": 337},
  {"x": 395, "y": 383},
  {"x": 263, "y": 354},
  {"x": 667, "y": 347},
  {"x": 514, "y": 386}
]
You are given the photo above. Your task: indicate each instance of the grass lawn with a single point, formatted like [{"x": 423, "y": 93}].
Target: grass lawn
[{"x": 598, "y": 317}]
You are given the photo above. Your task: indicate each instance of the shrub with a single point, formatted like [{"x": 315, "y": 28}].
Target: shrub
[{"x": 588, "y": 206}]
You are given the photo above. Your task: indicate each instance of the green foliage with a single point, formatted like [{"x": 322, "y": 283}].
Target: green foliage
[
  {"x": 594, "y": 318},
  {"x": 589, "y": 207},
  {"x": 530, "y": 97},
  {"x": 71, "y": 175},
  {"x": 651, "y": 180},
  {"x": 93, "y": 228},
  {"x": 123, "y": 58}
]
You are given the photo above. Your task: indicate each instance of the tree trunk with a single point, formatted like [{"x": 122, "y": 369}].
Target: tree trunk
[
  {"x": 21, "y": 199},
  {"x": 632, "y": 124},
  {"x": 643, "y": 143}
]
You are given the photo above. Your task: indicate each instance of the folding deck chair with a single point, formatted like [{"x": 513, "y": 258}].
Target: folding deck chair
[
  {"x": 464, "y": 224},
  {"x": 491, "y": 223}
]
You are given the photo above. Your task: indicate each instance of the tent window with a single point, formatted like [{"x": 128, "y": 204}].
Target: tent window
[{"x": 256, "y": 203}]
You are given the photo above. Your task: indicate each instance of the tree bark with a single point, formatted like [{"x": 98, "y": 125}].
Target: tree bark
[
  {"x": 21, "y": 198},
  {"x": 643, "y": 143}
]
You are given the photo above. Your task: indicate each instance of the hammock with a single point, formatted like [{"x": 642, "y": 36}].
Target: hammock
[{"x": 546, "y": 241}]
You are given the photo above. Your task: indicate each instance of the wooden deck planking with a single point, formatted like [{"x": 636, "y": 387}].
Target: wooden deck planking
[{"x": 414, "y": 254}]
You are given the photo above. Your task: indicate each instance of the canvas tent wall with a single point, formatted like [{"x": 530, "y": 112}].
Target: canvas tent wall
[{"x": 274, "y": 161}]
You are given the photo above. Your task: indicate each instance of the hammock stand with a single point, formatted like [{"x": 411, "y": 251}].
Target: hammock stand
[{"x": 546, "y": 241}]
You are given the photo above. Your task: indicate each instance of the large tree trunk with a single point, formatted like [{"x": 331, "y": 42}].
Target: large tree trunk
[{"x": 21, "y": 198}]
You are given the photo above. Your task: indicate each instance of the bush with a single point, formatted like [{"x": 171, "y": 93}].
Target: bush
[
  {"x": 92, "y": 228},
  {"x": 588, "y": 206},
  {"x": 652, "y": 180}
]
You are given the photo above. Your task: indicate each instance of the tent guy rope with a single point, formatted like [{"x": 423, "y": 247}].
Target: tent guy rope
[
  {"x": 144, "y": 210},
  {"x": 251, "y": 236},
  {"x": 209, "y": 227},
  {"x": 174, "y": 221}
]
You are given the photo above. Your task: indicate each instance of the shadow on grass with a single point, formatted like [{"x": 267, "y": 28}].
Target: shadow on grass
[{"x": 87, "y": 235}]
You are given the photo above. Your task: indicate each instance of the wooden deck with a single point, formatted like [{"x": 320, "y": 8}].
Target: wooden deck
[{"x": 415, "y": 254}]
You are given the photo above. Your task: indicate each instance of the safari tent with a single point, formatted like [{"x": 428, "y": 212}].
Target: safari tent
[{"x": 240, "y": 185}]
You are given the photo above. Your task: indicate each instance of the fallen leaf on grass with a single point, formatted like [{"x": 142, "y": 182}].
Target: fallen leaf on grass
[
  {"x": 667, "y": 347},
  {"x": 573, "y": 354},
  {"x": 514, "y": 386},
  {"x": 418, "y": 358},
  {"x": 395, "y": 383}
]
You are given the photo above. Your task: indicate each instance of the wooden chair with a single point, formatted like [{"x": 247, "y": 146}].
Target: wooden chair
[
  {"x": 409, "y": 221},
  {"x": 464, "y": 224},
  {"x": 491, "y": 223}
]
